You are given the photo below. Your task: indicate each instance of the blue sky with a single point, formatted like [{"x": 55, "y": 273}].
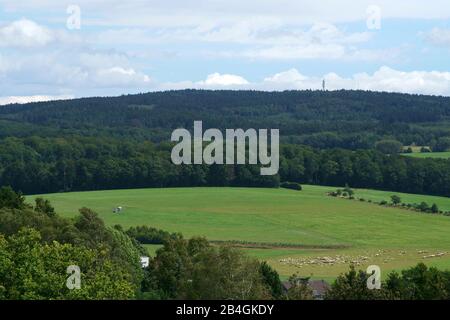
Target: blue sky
[{"x": 139, "y": 46}]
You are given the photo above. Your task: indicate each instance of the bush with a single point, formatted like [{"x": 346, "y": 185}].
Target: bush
[
  {"x": 423, "y": 206},
  {"x": 291, "y": 185},
  {"x": 149, "y": 235},
  {"x": 395, "y": 200},
  {"x": 434, "y": 208},
  {"x": 11, "y": 199}
]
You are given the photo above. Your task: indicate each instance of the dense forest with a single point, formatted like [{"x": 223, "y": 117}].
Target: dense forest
[
  {"x": 344, "y": 119},
  {"x": 42, "y": 165},
  {"x": 328, "y": 138}
]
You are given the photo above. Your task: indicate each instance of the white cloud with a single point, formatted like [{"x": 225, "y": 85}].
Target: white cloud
[
  {"x": 120, "y": 77},
  {"x": 320, "y": 41},
  {"x": 290, "y": 76},
  {"x": 261, "y": 39},
  {"x": 384, "y": 79},
  {"x": 217, "y": 79},
  {"x": 420, "y": 82},
  {"x": 24, "y": 33},
  {"x": 68, "y": 66},
  {"x": 438, "y": 37},
  {"x": 27, "y": 99}
]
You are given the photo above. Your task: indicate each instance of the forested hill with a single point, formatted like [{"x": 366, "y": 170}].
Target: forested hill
[
  {"x": 103, "y": 143},
  {"x": 346, "y": 119}
]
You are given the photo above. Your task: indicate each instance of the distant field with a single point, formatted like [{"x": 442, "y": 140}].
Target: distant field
[
  {"x": 315, "y": 224},
  {"x": 435, "y": 155}
]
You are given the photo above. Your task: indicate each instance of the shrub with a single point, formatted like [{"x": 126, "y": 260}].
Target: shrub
[
  {"x": 434, "y": 208},
  {"x": 423, "y": 206},
  {"x": 291, "y": 185},
  {"x": 395, "y": 200},
  {"x": 149, "y": 235}
]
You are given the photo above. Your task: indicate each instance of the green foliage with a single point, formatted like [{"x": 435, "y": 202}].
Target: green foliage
[
  {"x": 192, "y": 269},
  {"x": 434, "y": 208},
  {"x": 291, "y": 185},
  {"x": 348, "y": 191},
  {"x": 442, "y": 144},
  {"x": 44, "y": 206},
  {"x": 419, "y": 283},
  {"x": 11, "y": 199},
  {"x": 271, "y": 280},
  {"x": 32, "y": 270},
  {"x": 38, "y": 246},
  {"x": 423, "y": 206},
  {"x": 149, "y": 235},
  {"x": 344, "y": 119},
  {"x": 389, "y": 146},
  {"x": 416, "y": 283},
  {"x": 103, "y": 143},
  {"x": 396, "y": 200},
  {"x": 91, "y": 163},
  {"x": 352, "y": 286},
  {"x": 299, "y": 289}
]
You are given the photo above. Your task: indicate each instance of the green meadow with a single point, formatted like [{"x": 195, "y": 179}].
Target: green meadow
[{"x": 305, "y": 231}]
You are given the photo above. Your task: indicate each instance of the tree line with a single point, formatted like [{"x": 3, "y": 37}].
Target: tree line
[{"x": 36, "y": 165}]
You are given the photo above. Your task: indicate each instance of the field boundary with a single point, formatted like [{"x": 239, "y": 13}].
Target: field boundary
[{"x": 272, "y": 245}]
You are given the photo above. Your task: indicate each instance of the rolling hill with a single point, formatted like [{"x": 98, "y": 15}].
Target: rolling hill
[{"x": 290, "y": 229}]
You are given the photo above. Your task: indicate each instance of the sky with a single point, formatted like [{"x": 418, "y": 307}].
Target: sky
[{"x": 58, "y": 49}]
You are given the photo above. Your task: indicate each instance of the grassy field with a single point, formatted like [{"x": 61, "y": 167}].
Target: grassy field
[
  {"x": 306, "y": 232},
  {"x": 435, "y": 155}
]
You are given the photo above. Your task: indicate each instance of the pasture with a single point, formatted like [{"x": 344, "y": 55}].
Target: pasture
[{"x": 295, "y": 231}]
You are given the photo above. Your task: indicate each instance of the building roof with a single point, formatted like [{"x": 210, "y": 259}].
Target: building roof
[{"x": 319, "y": 287}]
